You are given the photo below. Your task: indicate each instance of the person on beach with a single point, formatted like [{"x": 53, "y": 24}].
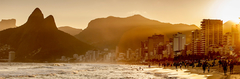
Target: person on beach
[
  {"x": 220, "y": 63},
  {"x": 209, "y": 65},
  {"x": 185, "y": 64},
  {"x": 163, "y": 64},
  {"x": 204, "y": 66},
  {"x": 213, "y": 63},
  {"x": 193, "y": 65},
  {"x": 175, "y": 64},
  {"x": 224, "y": 65},
  {"x": 231, "y": 66},
  {"x": 180, "y": 64}
]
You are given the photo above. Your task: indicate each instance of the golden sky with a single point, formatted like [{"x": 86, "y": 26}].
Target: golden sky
[{"x": 78, "y": 13}]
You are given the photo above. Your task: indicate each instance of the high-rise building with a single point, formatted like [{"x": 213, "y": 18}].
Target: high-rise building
[
  {"x": 11, "y": 56},
  {"x": 235, "y": 36},
  {"x": 186, "y": 48},
  {"x": 212, "y": 31},
  {"x": 228, "y": 39},
  {"x": 169, "y": 49},
  {"x": 150, "y": 48},
  {"x": 179, "y": 40},
  {"x": 144, "y": 49},
  {"x": 227, "y": 42},
  {"x": 154, "y": 41},
  {"x": 197, "y": 47}
]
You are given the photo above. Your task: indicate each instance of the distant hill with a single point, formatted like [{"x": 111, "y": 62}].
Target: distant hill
[
  {"x": 70, "y": 30},
  {"x": 7, "y": 23},
  {"x": 40, "y": 40},
  {"x": 128, "y": 32}
]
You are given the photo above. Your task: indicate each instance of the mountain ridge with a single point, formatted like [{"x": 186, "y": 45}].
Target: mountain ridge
[
  {"x": 7, "y": 23},
  {"x": 70, "y": 30},
  {"x": 107, "y": 32},
  {"x": 40, "y": 40}
]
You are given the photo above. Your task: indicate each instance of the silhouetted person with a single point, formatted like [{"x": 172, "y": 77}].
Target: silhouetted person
[
  {"x": 175, "y": 64},
  {"x": 213, "y": 63},
  {"x": 224, "y": 65},
  {"x": 193, "y": 65},
  {"x": 209, "y": 65},
  {"x": 220, "y": 63},
  {"x": 204, "y": 66},
  {"x": 180, "y": 64},
  {"x": 231, "y": 66},
  {"x": 185, "y": 64},
  {"x": 149, "y": 65},
  {"x": 164, "y": 64}
]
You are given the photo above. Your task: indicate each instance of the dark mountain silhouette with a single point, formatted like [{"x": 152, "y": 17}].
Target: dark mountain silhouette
[
  {"x": 70, "y": 30},
  {"x": 227, "y": 26},
  {"x": 39, "y": 39},
  {"x": 128, "y": 32},
  {"x": 7, "y": 23}
]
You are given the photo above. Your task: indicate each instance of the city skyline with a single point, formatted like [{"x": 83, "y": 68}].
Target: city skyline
[{"x": 78, "y": 13}]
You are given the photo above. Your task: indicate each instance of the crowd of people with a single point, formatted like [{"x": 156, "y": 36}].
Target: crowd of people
[
  {"x": 205, "y": 64},
  {"x": 222, "y": 63}
]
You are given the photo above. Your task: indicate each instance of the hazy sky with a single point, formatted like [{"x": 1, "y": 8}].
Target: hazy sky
[{"x": 78, "y": 13}]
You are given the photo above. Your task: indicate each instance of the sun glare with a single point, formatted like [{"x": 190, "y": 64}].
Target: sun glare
[{"x": 229, "y": 10}]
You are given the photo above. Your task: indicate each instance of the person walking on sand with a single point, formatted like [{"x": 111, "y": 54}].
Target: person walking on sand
[
  {"x": 175, "y": 64},
  {"x": 231, "y": 66},
  {"x": 180, "y": 64},
  {"x": 193, "y": 65},
  {"x": 224, "y": 65},
  {"x": 204, "y": 66},
  {"x": 209, "y": 65},
  {"x": 220, "y": 63}
]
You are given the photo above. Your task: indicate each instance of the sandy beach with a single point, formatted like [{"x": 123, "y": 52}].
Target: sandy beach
[
  {"x": 90, "y": 71},
  {"x": 215, "y": 72},
  {"x": 107, "y": 71}
]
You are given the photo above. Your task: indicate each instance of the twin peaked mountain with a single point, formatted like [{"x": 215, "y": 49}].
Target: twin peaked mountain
[{"x": 40, "y": 40}]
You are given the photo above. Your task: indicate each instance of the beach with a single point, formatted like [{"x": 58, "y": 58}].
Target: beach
[
  {"x": 215, "y": 72},
  {"x": 103, "y": 71}
]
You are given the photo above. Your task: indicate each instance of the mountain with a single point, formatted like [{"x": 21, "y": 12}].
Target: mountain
[
  {"x": 7, "y": 23},
  {"x": 70, "y": 30},
  {"x": 40, "y": 40},
  {"x": 128, "y": 32},
  {"x": 227, "y": 26}
]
